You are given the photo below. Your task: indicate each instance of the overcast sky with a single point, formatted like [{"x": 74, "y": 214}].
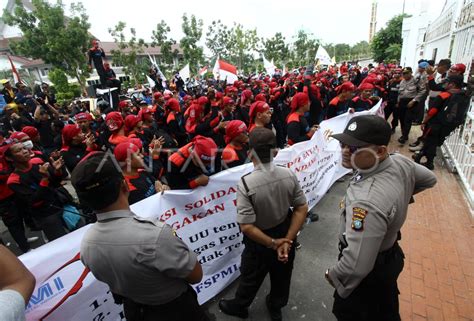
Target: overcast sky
[{"x": 337, "y": 21}]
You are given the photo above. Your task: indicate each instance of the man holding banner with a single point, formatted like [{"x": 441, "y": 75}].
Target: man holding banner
[
  {"x": 147, "y": 267},
  {"x": 264, "y": 199}
]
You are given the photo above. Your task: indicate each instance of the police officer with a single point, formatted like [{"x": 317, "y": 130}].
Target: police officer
[
  {"x": 372, "y": 214},
  {"x": 264, "y": 198},
  {"x": 145, "y": 264}
]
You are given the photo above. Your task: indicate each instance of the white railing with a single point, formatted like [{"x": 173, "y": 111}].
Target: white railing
[{"x": 458, "y": 150}]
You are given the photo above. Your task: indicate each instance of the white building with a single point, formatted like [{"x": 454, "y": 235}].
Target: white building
[{"x": 425, "y": 39}]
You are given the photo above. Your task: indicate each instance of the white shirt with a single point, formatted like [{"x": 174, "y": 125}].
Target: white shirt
[{"x": 12, "y": 306}]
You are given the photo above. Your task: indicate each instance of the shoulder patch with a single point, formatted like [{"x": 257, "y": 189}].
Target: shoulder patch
[
  {"x": 445, "y": 95},
  {"x": 358, "y": 216}
]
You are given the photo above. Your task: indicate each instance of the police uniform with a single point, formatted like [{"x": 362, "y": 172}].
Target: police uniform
[
  {"x": 263, "y": 199},
  {"x": 372, "y": 214},
  {"x": 144, "y": 262}
]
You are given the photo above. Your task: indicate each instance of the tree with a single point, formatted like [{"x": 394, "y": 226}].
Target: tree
[
  {"x": 304, "y": 49},
  {"x": 383, "y": 41},
  {"x": 219, "y": 39},
  {"x": 193, "y": 53},
  {"x": 276, "y": 49},
  {"x": 129, "y": 51},
  {"x": 245, "y": 43},
  {"x": 51, "y": 36},
  {"x": 64, "y": 90},
  {"x": 160, "y": 39}
]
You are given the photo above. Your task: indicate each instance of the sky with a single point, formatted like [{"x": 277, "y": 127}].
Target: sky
[{"x": 332, "y": 21}]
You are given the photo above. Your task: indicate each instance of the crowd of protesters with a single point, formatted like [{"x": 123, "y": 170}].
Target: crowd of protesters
[
  {"x": 175, "y": 136},
  {"x": 153, "y": 137}
]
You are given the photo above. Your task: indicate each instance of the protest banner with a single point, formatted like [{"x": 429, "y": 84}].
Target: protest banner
[{"x": 204, "y": 218}]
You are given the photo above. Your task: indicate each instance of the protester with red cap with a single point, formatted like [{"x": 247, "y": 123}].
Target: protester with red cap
[
  {"x": 34, "y": 183},
  {"x": 243, "y": 108},
  {"x": 141, "y": 183},
  {"x": 185, "y": 174},
  {"x": 12, "y": 216},
  {"x": 116, "y": 126},
  {"x": 297, "y": 127},
  {"x": 228, "y": 108},
  {"x": 175, "y": 122},
  {"x": 236, "y": 151},
  {"x": 75, "y": 145},
  {"x": 133, "y": 125},
  {"x": 260, "y": 115},
  {"x": 362, "y": 101},
  {"x": 341, "y": 103},
  {"x": 194, "y": 115},
  {"x": 83, "y": 120}
]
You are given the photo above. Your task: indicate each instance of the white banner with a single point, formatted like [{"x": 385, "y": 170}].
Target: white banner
[
  {"x": 205, "y": 220},
  {"x": 323, "y": 56}
]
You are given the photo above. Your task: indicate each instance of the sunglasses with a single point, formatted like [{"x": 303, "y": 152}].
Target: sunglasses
[{"x": 352, "y": 149}]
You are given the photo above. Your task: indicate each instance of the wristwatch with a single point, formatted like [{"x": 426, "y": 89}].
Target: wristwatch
[{"x": 272, "y": 245}]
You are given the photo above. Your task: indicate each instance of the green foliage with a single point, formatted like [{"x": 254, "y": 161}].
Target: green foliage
[
  {"x": 193, "y": 53},
  {"x": 64, "y": 90},
  {"x": 304, "y": 49},
  {"x": 386, "y": 44},
  {"x": 130, "y": 47},
  {"x": 276, "y": 49},
  {"x": 160, "y": 39},
  {"x": 51, "y": 36}
]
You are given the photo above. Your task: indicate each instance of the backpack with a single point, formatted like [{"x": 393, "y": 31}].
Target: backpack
[{"x": 455, "y": 111}]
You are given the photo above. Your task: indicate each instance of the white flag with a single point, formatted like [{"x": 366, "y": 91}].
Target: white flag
[
  {"x": 185, "y": 73},
  {"x": 269, "y": 67},
  {"x": 323, "y": 56},
  {"x": 151, "y": 82}
]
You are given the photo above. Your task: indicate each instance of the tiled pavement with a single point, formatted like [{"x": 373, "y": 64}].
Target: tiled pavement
[{"x": 437, "y": 282}]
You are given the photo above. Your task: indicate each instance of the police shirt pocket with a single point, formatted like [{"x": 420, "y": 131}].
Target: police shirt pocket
[
  {"x": 412, "y": 88},
  {"x": 145, "y": 254}
]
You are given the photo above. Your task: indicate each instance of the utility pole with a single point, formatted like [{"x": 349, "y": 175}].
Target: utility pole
[{"x": 403, "y": 9}]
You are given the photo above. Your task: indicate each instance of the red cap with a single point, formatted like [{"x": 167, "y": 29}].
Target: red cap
[
  {"x": 299, "y": 100},
  {"x": 123, "y": 104},
  {"x": 195, "y": 110},
  {"x": 461, "y": 68},
  {"x": 19, "y": 135},
  {"x": 261, "y": 97},
  {"x": 233, "y": 129},
  {"x": 69, "y": 132},
  {"x": 131, "y": 121},
  {"x": 157, "y": 95},
  {"x": 205, "y": 148},
  {"x": 114, "y": 121},
  {"x": 144, "y": 112},
  {"x": 123, "y": 150},
  {"x": 347, "y": 86},
  {"x": 227, "y": 101},
  {"x": 187, "y": 98},
  {"x": 258, "y": 107},
  {"x": 173, "y": 105},
  {"x": 202, "y": 100},
  {"x": 30, "y": 131},
  {"x": 366, "y": 86},
  {"x": 246, "y": 94},
  {"x": 83, "y": 116}
]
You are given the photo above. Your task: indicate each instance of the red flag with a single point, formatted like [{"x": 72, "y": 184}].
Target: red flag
[{"x": 16, "y": 75}]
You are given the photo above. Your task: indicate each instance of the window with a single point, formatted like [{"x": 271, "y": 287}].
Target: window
[
  {"x": 44, "y": 72},
  {"x": 435, "y": 52}
]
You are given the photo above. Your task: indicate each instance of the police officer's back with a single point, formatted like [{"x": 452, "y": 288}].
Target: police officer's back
[
  {"x": 372, "y": 214},
  {"x": 264, "y": 198},
  {"x": 142, "y": 260}
]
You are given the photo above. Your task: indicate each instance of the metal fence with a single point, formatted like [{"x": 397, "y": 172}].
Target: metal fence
[{"x": 458, "y": 151}]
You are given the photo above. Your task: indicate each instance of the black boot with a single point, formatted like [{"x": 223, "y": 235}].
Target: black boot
[
  {"x": 230, "y": 308},
  {"x": 417, "y": 157},
  {"x": 275, "y": 313}
]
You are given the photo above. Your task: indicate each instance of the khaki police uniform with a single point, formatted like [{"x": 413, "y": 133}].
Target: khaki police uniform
[
  {"x": 372, "y": 214},
  {"x": 264, "y": 198},
  {"x": 144, "y": 263}
]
